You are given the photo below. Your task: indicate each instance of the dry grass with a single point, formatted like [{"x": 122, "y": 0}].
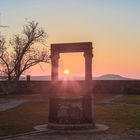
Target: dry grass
[
  {"x": 121, "y": 116},
  {"x": 25, "y": 116}
]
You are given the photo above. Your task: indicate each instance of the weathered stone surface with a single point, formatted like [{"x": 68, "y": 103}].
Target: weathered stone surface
[{"x": 68, "y": 113}]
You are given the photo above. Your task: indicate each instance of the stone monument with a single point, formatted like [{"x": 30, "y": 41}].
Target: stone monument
[{"x": 75, "y": 112}]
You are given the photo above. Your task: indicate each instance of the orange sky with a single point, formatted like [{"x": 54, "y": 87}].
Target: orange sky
[{"x": 112, "y": 26}]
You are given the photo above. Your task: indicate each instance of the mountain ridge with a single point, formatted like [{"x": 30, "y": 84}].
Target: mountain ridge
[
  {"x": 102, "y": 77},
  {"x": 112, "y": 77}
]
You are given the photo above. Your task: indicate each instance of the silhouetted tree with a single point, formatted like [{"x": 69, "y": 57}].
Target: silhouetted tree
[{"x": 23, "y": 51}]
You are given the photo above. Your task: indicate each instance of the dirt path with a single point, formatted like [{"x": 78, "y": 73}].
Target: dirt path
[
  {"x": 6, "y": 104},
  {"x": 110, "y": 100}
]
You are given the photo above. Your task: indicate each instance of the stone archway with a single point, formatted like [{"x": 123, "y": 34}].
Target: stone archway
[
  {"x": 85, "y": 47},
  {"x": 71, "y": 113}
]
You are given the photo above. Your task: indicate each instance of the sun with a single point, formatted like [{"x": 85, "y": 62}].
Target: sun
[{"x": 66, "y": 72}]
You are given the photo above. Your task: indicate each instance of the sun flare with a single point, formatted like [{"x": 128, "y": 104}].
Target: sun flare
[{"x": 66, "y": 72}]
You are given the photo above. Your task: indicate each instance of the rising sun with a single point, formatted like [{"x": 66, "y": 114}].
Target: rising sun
[{"x": 66, "y": 71}]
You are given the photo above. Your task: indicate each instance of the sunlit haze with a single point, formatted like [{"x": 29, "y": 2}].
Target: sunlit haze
[
  {"x": 66, "y": 71},
  {"x": 112, "y": 25}
]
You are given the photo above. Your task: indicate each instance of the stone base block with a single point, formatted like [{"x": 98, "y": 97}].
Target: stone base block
[
  {"x": 97, "y": 128},
  {"x": 70, "y": 126}
]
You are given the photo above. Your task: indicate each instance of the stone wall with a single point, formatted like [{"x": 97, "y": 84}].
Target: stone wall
[
  {"x": 24, "y": 87},
  {"x": 45, "y": 87},
  {"x": 117, "y": 86}
]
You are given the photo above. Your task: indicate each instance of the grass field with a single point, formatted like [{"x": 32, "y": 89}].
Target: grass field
[{"x": 122, "y": 116}]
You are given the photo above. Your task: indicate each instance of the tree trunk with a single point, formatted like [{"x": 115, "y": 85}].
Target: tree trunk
[
  {"x": 9, "y": 77},
  {"x": 16, "y": 78}
]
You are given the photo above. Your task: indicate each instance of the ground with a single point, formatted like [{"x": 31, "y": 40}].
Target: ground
[
  {"x": 44, "y": 136},
  {"x": 121, "y": 114}
]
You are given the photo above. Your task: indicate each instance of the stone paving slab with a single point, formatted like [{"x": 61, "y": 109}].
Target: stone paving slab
[{"x": 98, "y": 128}]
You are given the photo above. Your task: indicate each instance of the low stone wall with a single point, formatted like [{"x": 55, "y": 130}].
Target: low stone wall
[
  {"x": 24, "y": 87},
  {"x": 45, "y": 87},
  {"x": 117, "y": 86}
]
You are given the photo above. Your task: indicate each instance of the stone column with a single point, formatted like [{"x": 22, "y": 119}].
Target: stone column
[
  {"x": 88, "y": 71},
  {"x": 88, "y": 65},
  {"x": 54, "y": 77},
  {"x": 54, "y": 63},
  {"x": 28, "y": 77},
  {"x": 88, "y": 101}
]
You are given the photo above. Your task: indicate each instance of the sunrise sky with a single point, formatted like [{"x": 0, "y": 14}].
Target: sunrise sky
[{"x": 112, "y": 25}]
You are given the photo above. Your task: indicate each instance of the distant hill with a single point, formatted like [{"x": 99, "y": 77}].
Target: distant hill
[
  {"x": 111, "y": 77},
  {"x": 41, "y": 78},
  {"x": 102, "y": 77}
]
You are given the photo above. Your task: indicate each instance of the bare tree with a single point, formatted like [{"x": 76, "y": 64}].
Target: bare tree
[{"x": 23, "y": 51}]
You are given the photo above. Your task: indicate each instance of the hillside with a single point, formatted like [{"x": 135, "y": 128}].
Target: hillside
[{"x": 111, "y": 77}]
